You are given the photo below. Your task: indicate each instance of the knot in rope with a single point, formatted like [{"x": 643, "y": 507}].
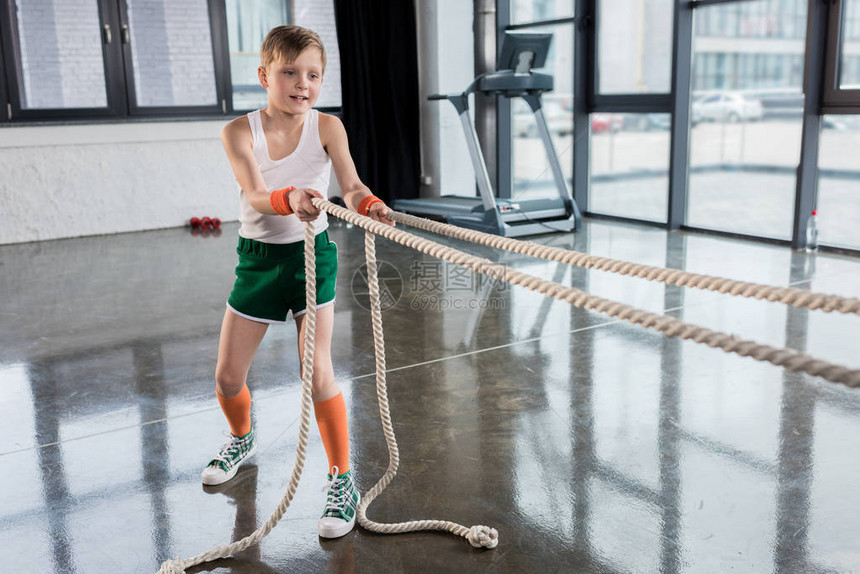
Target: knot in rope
[
  {"x": 483, "y": 536},
  {"x": 172, "y": 567}
]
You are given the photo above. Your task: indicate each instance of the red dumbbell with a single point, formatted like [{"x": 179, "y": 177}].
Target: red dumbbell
[{"x": 200, "y": 224}]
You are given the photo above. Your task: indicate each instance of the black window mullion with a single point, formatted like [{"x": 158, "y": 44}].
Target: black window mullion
[
  {"x": 681, "y": 91},
  {"x": 807, "y": 171},
  {"x": 593, "y": 52},
  {"x": 504, "y": 159},
  {"x": 583, "y": 90},
  {"x": 4, "y": 65},
  {"x": 631, "y": 103},
  {"x": 12, "y": 60},
  {"x": 832, "y": 51},
  {"x": 221, "y": 53},
  {"x": 538, "y": 23},
  {"x": 127, "y": 60},
  {"x": 112, "y": 53}
]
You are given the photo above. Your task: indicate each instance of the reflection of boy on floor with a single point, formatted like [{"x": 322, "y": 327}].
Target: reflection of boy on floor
[{"x": 282, "y": 156}]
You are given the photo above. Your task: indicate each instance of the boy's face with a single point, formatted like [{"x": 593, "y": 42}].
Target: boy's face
[{"x": 295, "y": 86}]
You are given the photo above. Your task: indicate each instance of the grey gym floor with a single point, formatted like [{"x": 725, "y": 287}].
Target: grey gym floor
[{"x": 592, "y": 445}]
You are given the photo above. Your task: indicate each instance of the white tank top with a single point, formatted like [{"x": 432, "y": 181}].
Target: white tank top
[{"x": 308, "y": 166}]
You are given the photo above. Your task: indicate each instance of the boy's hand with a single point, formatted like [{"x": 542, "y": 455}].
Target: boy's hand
[
  {"x": 300, "y": 203},
  {"x": 379, "y": 212}
]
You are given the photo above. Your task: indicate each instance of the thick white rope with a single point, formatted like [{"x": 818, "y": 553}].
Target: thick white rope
[
  {"x": 478, "y": 536},
  {"x": 677, "y": 277},
  {"x": 483, "y": 536},
  {"x": 788, "y": 358},
  {"x": 179, "y": 565}
]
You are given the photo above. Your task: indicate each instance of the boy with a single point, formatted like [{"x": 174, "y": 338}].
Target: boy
[{"x": 282, "y": 156}]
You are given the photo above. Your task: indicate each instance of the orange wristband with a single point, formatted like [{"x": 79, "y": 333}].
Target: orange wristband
[
  {"x": 364, "y": 206},
  {"x": 279, "y": 202}
]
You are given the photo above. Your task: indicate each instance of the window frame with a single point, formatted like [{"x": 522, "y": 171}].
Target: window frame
[
  {"x": 504, "y": 131},
  {"x": 6, "y": 114},
  {"x": 12, "y": 72},
  {"x": 220, "y": 106},
  {"x": 120, "y": 88},
  {"x": 656, "y": 102},
  {"x": 629, "y": 103},
  {"x": 836, "y": 100}
]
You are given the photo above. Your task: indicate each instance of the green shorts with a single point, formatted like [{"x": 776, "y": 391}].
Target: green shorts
[{"x": 270, "y": 278}]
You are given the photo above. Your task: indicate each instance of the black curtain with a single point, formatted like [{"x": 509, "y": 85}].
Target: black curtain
[{"x": 379, "y": 83}]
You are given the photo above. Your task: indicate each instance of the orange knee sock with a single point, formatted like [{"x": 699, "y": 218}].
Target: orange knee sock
[
  {"x": 238, "y": 411},
  {"x": 331, "y": 419}
]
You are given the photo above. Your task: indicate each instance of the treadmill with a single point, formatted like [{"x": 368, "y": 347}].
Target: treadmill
[{"x": 506, "y": 217}]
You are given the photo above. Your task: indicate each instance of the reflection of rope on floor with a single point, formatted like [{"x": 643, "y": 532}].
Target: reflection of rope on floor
[{"x": 483, "y": 536}]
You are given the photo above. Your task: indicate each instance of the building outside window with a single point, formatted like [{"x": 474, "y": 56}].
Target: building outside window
[{"x": 747, "y": 102}]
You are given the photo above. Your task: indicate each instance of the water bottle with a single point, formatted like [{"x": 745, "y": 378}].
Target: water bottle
[{"x": 812, "y": 232}]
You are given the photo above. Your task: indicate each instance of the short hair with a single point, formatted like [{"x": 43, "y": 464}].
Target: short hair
[{"x": 285, "y": 43}]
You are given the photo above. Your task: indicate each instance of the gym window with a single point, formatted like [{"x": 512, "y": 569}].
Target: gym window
[
  {"x": 842, "y": 68},
  {"x": 114, "y": 59}
]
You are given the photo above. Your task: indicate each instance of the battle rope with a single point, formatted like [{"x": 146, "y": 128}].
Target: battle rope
[
  {"x": 483, "y": 536},
  {"x": 477, "y": 536},
  {"x": 179, "y": 565},
  {"x": 669, "y": 326},
  {"x": 787, "y": 295}
]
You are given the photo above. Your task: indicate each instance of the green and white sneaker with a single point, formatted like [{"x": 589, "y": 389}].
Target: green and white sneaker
[
  {"x": 224, "y": 466},
  {"x": 341, "y": 503}
]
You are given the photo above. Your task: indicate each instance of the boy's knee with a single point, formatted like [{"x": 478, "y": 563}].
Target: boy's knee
[
  {"x": 228, "y": 382},
  {"x": 324, "y": 389},
  {"x": 323, "y": 370}
]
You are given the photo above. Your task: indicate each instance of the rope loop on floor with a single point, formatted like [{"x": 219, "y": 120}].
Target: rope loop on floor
[{"x": 478, "y": 536}]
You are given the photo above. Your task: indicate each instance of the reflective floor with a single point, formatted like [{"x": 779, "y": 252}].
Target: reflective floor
[{"x": 592, "y": 445}]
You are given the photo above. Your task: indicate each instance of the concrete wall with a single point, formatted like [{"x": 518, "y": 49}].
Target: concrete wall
[{"x": 77, "y": 180}]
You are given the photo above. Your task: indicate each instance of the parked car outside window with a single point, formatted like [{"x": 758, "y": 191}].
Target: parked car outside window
[
  {"x": 601, "y": 123},
  {"x": 728, "y": 107}
]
